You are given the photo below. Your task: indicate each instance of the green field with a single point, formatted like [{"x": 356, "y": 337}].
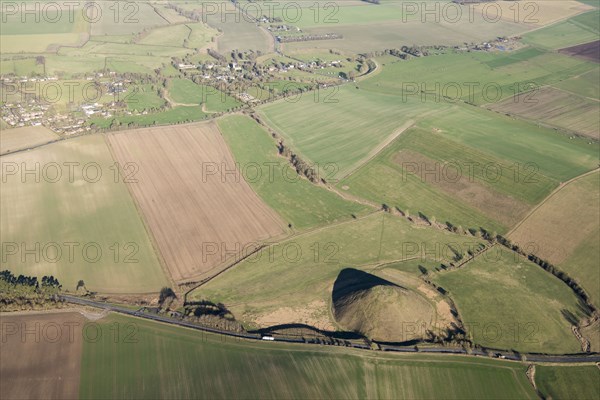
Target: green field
[
  {"x": 188, "y": 93},
  {"x": 32, "y": 32},
  {"x": 582, "y": 265},
  {"x": 579, "y": 29},
  {"x": 297, "y": 274},
  {"x": 125, "y": 19},
  {"x": 344, "y": 126},
  {"x": 171, "y": 36},
  {"x": 189, "y": 35},
  {"x": 109, "y": 49},
  {"x": 505, "y": 167},
  {"x": 299, "y": 202},
  {"x": 367, "y": 27},
  {"x": 169, "y": 362},
  {"x": 127, "y": 38},
  {"x": 349, "y": 124},
  {"x": 21, "y": 66},
  {"x": 568, "y": 382},
  {"x": 35, "y": 23},
  {"x": 509, "y": 303},
  {"x": 556, "y": 156},
  {"x": 389, "y": 179},
  {"x": 343, "y": 14},
  {"x": 111, "y": 250},
  {"x": 200, "y": 35},
  {"x": 515, "y": 57},
  {"x": 65, "y": 66},
  {"x": 238, "y": 33},
  {"x": 566, "y": 235},
  {"x": 119, "y": 55},
  {"x": 144, "y": 97},
  {"x": 174, "y": 115},
  {"x": 37, "y": 43},
  {"x": 589, "y": 20},
  {"x": 476, "y": 77},
  {"x": 586, "y": 85}
]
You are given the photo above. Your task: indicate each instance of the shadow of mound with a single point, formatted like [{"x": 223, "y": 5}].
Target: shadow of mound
[{"x": 352, "y": 280}]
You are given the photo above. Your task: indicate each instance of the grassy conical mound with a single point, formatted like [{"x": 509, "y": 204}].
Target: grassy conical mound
[{"x": 379, "y": 309}]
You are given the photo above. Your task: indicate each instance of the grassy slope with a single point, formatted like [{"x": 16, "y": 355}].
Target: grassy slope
[
  {"x": 583, "y": 266},
  {"x": 568, "y": 382},
  {"x": 81, "y": 212},
  {"x": 171, "y": 362},
  {"x": 301, "y": 270},
  {"x": 299, "y": 202},
  {"x": 498, "y": 292}
]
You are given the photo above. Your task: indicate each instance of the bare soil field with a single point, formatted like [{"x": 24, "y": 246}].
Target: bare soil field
[
  {"x": 557, "y": 108},
  {"x": 21, "y": 138},
  {"x": 200, "y": 218},
  {"x": 564, "y": 230},
  {"x": 563, "y": 221},
  {"x": 587, "y": 51},
  {"x": 45, "y": 362}
]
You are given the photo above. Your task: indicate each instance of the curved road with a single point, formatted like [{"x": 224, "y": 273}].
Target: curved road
[{"x": 575, "y": 358}]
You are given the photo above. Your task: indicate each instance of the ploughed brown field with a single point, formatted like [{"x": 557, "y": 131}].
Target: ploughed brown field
[
  {"x": 202, "y": 214},
  {"x": 563, "y": 221},
  {"x": 41, "y": 355},
  {"x": 557, "y": 108},
  {"x": 588, "y": 51}
]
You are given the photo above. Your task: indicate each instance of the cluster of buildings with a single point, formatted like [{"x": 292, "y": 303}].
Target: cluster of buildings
[
  {"x": 26, "y": 103},
  {"x": 34, "y": 113}
]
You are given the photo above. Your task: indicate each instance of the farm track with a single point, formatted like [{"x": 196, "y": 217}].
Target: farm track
[
  {"x": 373, "y": 153},
  {"x": 542, "y": 358},
  {"x": 206, "y": 280}
]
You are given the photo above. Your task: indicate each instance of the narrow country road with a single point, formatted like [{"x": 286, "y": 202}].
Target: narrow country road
[{"x": 575, "y": 358}]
